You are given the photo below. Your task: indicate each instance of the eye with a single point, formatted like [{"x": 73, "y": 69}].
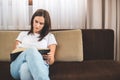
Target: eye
[
  {"x": 41, "y": 23},
  {"x": 36, "y": 21}
]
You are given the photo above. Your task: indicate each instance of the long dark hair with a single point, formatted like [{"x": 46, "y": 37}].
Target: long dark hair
[{"x": 47, "y": 25}]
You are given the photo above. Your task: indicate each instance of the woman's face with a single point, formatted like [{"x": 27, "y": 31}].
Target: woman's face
[{"x": 38, "y": 24}]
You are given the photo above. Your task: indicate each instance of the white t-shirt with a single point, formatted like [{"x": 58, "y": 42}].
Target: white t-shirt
[{"x": 31, "y": 40}]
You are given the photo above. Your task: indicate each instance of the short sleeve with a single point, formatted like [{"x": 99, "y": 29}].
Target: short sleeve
[
  {"x": 20, "y": 36},
  {"x": 51, "y": 39}
]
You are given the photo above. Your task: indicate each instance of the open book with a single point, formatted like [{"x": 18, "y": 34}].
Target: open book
[{"x": 17, "y": 51}]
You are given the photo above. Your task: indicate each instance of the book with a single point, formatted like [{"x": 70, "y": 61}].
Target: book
[{"x": 14, "y": 54}]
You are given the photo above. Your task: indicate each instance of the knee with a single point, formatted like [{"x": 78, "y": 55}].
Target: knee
[
  {"x": 32, "y": 52},
  {"x": 24, "y": 67},
  {"x": 24, "y": 72},
  {"x": 32, "y": 49}
]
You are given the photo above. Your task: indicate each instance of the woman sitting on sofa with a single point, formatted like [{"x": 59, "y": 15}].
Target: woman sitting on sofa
[{"x": 30, "y": 64}]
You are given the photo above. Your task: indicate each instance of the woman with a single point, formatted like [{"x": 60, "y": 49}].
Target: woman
[{"x": 30, "y": 64}]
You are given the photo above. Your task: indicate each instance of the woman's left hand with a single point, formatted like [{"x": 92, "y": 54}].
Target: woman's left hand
[{"x": 49, "y": 58}]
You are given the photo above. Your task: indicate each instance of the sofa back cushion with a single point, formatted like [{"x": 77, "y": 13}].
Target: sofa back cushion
[
  {"x": 7, "y": 41},
  {"x": 70, "y": 46},
  {"x": 98, "y": 44}
]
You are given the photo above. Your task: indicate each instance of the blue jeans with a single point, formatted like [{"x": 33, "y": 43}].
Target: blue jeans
[{"x": 29, "y": 65}]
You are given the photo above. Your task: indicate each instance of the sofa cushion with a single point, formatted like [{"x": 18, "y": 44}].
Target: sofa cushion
[
  {"x": 7, "y": 41},
  {"x": 86, "y": 70},
  {"x": 70, "y": 46},
  {"x": 98, "y": 44}
]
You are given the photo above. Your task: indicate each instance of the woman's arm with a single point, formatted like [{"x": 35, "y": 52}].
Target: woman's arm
[
  {"x": 51, "y": 54},
  {"x": 16, "y": 44}
]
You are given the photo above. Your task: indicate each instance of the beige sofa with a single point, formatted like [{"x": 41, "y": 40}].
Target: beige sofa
[
  {"x": 69, "y": 42},
  {"x": 80, "y": 55}
]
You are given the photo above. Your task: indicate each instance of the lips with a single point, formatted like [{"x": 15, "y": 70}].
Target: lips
[{"x": 36, "y": 28}]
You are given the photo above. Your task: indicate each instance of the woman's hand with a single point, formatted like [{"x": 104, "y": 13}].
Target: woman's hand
[{"x": 49, "y": 58}]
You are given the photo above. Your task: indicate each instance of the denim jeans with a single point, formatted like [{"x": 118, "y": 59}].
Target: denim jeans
[{"x": 29, "y": 65}]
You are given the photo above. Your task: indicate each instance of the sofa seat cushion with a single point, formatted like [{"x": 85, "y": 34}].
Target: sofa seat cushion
[
  {"x": 86, "y": 70},
  {"x": 5, "y": 71}
]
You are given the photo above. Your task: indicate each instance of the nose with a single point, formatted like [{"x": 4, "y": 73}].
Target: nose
[{"x": 38, "y": 24}]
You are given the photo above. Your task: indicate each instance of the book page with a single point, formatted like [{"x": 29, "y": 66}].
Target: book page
[
  {"x": 18, "y": 50},
  {"x": 22, "y": 49}
]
